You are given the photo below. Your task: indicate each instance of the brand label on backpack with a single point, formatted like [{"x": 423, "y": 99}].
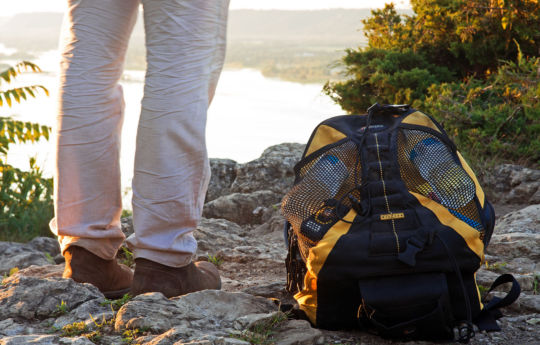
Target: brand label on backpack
[{"x": 390, "y": 216}]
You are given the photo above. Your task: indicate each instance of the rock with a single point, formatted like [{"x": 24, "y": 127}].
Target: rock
[
  {"x": 269, "y": 291},
  {"x": 214, "y": 235},
  {"x": 127, "y": 225},
  {"x": 192, "y": 316},
  {"x": 45, "y": 244},
  {"x": 523, "y": 266},
  {"x": 275, "y": 224},
  {"x": 35, "y": 298},
  {"x": 525, "y": 303},
  {"x": 241, "y": 208},
  {"x": 509, "y": 183},
  {"x": 515, "y": 245},
  {"x": 47, "y": 271},
  {"x": 274, "y": 170},
  {"x": 94, "y": 308},
  {"x": 486, "y": 278},
  {"x": 222, "y": 178},
  {"x": 526, "y": 220},
  {"x": 9, "y": 327},
  {"x": 297, "y": 332},
  {"x": 252, "y": 321},
  {"x": 517, "y": 235},
  {"x": 273, "y": 290},
  {"x": 42, "y": 339},
  {"x": 20, "y": 255}
]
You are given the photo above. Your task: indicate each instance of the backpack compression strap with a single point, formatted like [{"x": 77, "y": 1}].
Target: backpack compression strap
[{"x": 486, "y": 321}]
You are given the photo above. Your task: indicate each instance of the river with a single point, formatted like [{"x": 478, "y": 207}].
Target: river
[{"x": 249, "y": 113}]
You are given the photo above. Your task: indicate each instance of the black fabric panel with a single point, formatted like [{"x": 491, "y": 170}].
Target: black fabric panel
[{"x": 456, "y": 295}]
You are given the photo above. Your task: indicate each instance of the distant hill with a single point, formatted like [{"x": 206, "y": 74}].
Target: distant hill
[
  {"x": 294, "y": 45},
  {"x": 338, "y": 26},
  {"x": 40, "y": 31},
  {"x": 31, "y": 31}
]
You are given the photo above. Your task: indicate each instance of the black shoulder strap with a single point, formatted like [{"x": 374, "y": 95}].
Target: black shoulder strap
[{"x": 486, "y": 321}]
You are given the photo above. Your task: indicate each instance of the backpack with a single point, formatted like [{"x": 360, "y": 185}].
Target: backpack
[{"x": 386, "y": 227}]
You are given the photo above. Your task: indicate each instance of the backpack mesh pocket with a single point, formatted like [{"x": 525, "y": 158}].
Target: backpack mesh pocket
[
  {"x": 324, "y": 187},
  {"x": 428, "y": 167}
]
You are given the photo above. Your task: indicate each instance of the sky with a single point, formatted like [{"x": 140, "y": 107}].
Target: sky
[{"x": 11, "y": 7}]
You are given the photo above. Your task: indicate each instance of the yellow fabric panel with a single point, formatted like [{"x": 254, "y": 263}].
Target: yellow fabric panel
[
  {"x": 479, "y": 190},
  {"x": 325, "y": 135},
  {"x": 469, "y": 234},
  {"x": 421, "y": 119},
  {"x": 307, "y": 298},
  {"x": 478, "y": 292}
]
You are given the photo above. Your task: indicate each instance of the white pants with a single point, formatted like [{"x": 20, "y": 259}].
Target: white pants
[{"x": 185, "y": 41}]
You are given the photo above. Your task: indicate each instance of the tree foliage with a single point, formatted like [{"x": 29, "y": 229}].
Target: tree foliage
[
  {"x": 471, "y": 64},
  {"x": 25, "y": 196},
  {"x": 468, "y": 36},
  {"x": 497, "y": 119},
  {"x": 384, "y": 76},
  {"x": 19, "y": 93}
]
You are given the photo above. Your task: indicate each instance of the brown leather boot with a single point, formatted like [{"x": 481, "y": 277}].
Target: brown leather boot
[
  {"x": 111, "y": 278},
  {"x": 151, "y": 276}
]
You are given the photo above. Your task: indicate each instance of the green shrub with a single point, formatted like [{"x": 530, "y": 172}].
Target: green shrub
[
  {"x": 496, "y": 120},
  {"x": 470, "y": 37},
  {"x": 384, "y": 76},
  {"x": 26, "y": 204}
]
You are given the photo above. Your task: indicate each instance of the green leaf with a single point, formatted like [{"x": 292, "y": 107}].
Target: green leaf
[
  {"x": 45, "y": 131},
  {"x": 8, "y": 98},
  {"x": 30, "y": 91},
  {"x": 504, "y": 22}
]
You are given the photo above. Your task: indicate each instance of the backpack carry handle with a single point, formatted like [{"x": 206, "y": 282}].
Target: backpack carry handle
[{"x": 388, "y": 109}]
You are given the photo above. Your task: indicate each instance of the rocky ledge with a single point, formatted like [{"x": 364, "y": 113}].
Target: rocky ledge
[{"x": 37, "y": 306}]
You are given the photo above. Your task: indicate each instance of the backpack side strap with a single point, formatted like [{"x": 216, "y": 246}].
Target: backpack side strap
[{"x": 486, "y": 320}]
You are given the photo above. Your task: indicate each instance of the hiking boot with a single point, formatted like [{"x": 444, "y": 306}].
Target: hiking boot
[
  {"x": 110, "y": 277},
  {"x": 151, "y": 276}
]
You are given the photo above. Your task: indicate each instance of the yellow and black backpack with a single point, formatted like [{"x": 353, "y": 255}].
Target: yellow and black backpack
[{"x": 386, "y": 227}]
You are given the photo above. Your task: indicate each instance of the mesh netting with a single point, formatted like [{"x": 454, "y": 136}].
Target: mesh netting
[
  {"x": 428, "y": 167},
  {"x": 323, "y": 189}
]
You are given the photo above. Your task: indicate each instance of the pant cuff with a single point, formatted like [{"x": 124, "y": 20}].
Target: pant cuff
[
  {"x": 171, "y": 259},
  {"x": 105, "y": 248}
]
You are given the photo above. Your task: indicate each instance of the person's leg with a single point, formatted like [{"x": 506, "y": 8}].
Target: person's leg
[
  {"x": 87, "y": 180},
  {"x": 185, "y": 49}
]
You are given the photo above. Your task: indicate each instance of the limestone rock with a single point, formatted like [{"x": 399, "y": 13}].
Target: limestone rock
[
  {"x": 30, "y": 298},
  {"x": 253, "y": 320},
  {"x": 269, "y": 291},
  {"x": 222, "y": 178},
  {"x": 298, "y": 332},
  {"x": 214, "y": 235},
  {"x": 525, "y": 303},
  {"x": 43, "y": 339},
  {"x": 21, "y": 255},
  {"x": 486, "y": 278},
  {"x": 273, "y": 221},
  {"x": 10, "y": 327},
  {"x": 274, "y": 170},
  {"x": 509, "y": 183},
  {"x": 241, "y": 208},
  {"x": 192, "y": 316},
  {"x": 45, "y": 245},
  {"x": 526, "y": 220},
  {"x": 127, "y": 225},
  {"x": 517, "y": 235},
  {"x": 47, "y": 271},
  {"x": 515, "y": 245}
]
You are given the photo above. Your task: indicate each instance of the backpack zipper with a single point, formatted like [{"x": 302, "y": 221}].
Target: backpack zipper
[{"x": 385, "y": 196}]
